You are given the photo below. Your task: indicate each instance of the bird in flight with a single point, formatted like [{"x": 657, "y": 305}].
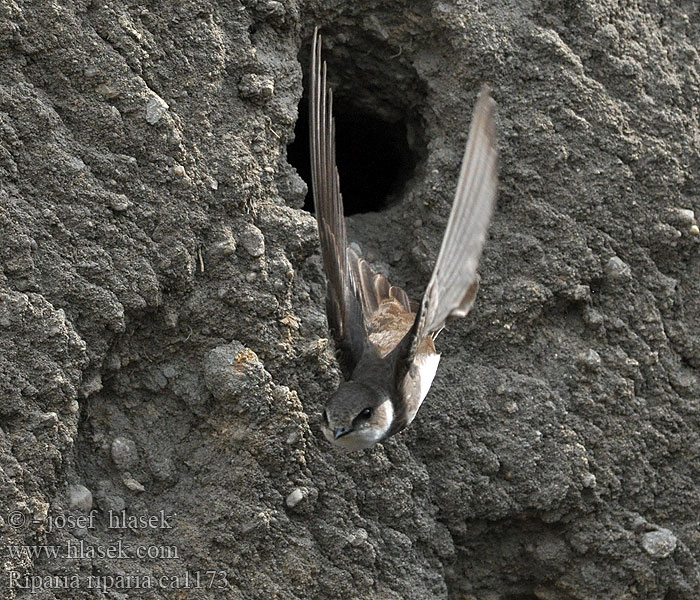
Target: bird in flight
[{"x": 386, "y": 348}]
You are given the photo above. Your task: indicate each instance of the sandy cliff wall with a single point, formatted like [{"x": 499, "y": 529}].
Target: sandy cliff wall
[{"x": 161, "y": 303}]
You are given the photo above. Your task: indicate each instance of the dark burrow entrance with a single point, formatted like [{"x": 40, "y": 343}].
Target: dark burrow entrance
[
  {"x": 378, "y": 127},
  {"x": 374, "y": 158}
]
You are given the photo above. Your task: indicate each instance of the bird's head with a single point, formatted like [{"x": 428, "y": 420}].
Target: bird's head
[{"x": 357, "y": 416}]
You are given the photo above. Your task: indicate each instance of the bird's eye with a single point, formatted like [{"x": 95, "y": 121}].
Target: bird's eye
[
  {"x": 366, "y": 413},
  {"x": 324, "y": 416}
]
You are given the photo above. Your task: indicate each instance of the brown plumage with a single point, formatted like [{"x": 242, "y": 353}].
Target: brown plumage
[{"x": 385, "y": 348}]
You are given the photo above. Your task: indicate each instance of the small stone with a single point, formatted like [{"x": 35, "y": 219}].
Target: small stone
[
  {"x": 589, "y": 481},
  {"x": 226, "y": 244},
  {"x": 124, "y": 453},
  {"x": 251, "y": 277},
  {"x": 290, "y": 321},
  {"x": 253, "y": 240},
  {"x": 292, "y": 438},
  {"x": 295, "y": 497},
  {"x": 119, "y": 202},
  {"x": 581, "y": 293},
  {"x": 511, "y": 407},
  {"x": 590, "y": 359},
  {"x": 592, "y": 317},
  {"x": 40, "y": 511},
  {"x": 359, "y": 537},
  {"x": 274, "y": 9},
  {"x": 682, "y": 217},
  {"x": 80, "y": 497},
  {"x": 660, "y": 543},
  {"x": 132, "y": 484},
  {"x": 169, "y": 371},
  {"x": 225, "y": 247},
  {"x": 618, "y": 270},
  {"x": 693, "y": 230},
  {"x": 155, "y": 109},
  {"x": 233, "y": 370},
  {"x": 256, "y": 87},
  {"x": 179, "y": 171}
]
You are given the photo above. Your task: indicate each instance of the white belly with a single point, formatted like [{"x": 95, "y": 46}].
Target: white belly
[{"x": 418, "y": 381}]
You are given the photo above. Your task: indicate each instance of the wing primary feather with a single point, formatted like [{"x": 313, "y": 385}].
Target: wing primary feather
[
  {"x": 343, "y": 307},
  {"x": 453, "y": 284}
]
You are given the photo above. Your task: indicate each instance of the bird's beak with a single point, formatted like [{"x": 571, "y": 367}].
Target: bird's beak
[{"x": 340, "y": 432}]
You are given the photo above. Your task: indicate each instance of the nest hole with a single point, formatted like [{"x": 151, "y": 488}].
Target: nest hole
[{"x": 377, "y": 109}]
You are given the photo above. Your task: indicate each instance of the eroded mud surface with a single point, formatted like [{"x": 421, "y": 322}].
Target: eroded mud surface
[{"x": 161, "y": 304}]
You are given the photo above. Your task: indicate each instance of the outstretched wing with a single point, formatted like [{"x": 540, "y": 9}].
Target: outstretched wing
[
  {"x": 453, "y": 285},
  {"x": 361, "y": 305},
  {"x": 343, "y": 303}
]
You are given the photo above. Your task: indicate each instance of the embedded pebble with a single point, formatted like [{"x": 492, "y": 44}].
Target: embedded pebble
[
  {"x": 132, "y": 484},
  {"x": 233, "y": 370},
  {"x": 617, "y": 269},
  {"x": 253, "y": 240},
  {"x": 682, "y": 216},
  {"x": 660, "y": 543},
  {"x": 273, "y": 8},
  {"x": 119, "y": 202},
  {"x": 80, "y": 497},
  {"x": 254, "y": 86},
  {"x": 49, "y": 419},
  {"x": 592, "y": 317},
  {"x": 359, "y": 537},
  {"x": 580, "y": 293},
  {"x": 590, "y": 359},
  {"x": 41, "y": 511},
  {"x": 589, "y": 481},
  {"x": 694, "y": 230},
  {"x": 155, "y": 109},
  {"x": 226, "y": 244},
  {"x": 295, "y": 497},
  {"x": 179, "y": 171},
  {"x": 124, "y": 453},
  {"x": 169, "y": 371}
]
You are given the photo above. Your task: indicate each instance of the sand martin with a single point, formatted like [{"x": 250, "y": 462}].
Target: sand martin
[{"x": 386, "y": 347}]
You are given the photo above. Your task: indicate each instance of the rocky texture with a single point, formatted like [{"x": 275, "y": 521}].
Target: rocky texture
[{"x": 161, "y": 290}]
